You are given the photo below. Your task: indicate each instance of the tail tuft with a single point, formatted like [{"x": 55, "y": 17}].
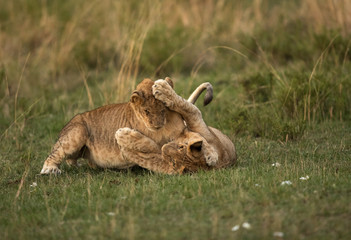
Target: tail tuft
[{"x": 209, "y": 94}]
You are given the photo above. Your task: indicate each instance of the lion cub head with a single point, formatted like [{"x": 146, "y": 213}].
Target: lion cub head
[
  {"x": 150, "y": 110},
  {"x": 186, "y": 154}
]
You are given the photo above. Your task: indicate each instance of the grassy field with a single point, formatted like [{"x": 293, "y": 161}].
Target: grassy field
[{"x": 281, "y": 72}]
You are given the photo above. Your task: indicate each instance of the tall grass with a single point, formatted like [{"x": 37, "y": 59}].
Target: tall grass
[{"x": 59, "y": 46}]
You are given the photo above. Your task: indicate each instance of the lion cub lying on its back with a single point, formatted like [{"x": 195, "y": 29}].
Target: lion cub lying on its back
[
  {"x": 90, "y": 135},
  {"x": 197, "y": 147}
]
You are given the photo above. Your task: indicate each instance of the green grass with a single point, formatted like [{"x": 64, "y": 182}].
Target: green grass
[
  {"x": 204, "y": 205},
  {"x": 281, "y": 74}
]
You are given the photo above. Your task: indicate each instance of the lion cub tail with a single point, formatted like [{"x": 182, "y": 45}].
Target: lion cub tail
[{"x": 209, "y": 93}]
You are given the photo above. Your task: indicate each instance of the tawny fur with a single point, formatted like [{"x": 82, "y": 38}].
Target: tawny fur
[
  {"x": 197, "y": 147},
  {"x": 90, "y": 135}
]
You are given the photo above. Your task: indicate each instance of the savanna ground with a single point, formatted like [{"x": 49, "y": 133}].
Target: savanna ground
[{"x": 281, "y": 73}]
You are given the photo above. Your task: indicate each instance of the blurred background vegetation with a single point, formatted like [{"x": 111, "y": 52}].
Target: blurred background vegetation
[{"x": 276, "y": 66}]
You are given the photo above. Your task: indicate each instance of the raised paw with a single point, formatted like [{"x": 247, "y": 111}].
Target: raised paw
[
  {"x": 164, "y": 92},
  {"x": 50, "y": 169}
]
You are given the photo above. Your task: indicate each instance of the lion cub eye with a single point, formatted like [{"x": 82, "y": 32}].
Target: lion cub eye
[
  {"x": 147, "y": 112},
  {"x": 181, "y": 147}
]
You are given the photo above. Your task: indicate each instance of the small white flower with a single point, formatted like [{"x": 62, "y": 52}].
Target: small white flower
[
  {"x": 246, "y": 225},
  {"x": 278, "y": 234},
  {"x": 235, "y": 228},
  {"x": 304, "y": 178},
  {"x": 286, "y": 183},
  {"x": 111, "y": 213},
  {"x": 257, "y": 185},
  {"x": 276, "y": 164},
  {"x": 34, "y": 184}
]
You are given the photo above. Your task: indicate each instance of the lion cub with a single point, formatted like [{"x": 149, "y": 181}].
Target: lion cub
[{"x": 90, "y": 135}]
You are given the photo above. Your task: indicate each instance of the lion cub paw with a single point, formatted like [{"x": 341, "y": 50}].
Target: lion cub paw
[
  {"x": 122, "y": 136},
  {"x": 163, "y": 92},
  {"x": 50, "y": 169},
  {"x": 126, "y": 137},
  {"x": 211, "y": 159}
]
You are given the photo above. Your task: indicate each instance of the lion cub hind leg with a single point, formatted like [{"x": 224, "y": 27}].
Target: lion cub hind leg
[
  {"x": 165, "y": 93},
  {"x": 190, "y": 113},
  {"x": 72, "y": 138}
]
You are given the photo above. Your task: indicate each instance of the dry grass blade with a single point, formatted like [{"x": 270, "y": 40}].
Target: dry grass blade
[
  {"x": 19, "y": 84},
  {"x": 319, "y": 60},
  {"x": 24, "y": 176}
]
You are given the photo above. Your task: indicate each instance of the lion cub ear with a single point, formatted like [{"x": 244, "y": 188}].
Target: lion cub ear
[
  {"x": 195, "y": 148},
  {"x": 137, "y": 97},
  {"x": 169, "y": 81}
]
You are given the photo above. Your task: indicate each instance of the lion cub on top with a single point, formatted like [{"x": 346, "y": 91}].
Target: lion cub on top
[{"x": 90, "y": 135}]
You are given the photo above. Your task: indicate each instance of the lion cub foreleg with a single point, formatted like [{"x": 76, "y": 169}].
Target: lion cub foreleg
[
  {"x": 143, "y": 151},
  {"x": 72, "y": 138}
]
